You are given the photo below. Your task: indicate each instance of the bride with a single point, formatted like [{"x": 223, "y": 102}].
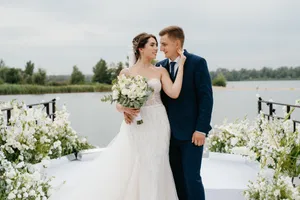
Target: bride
[{"x": 135, "y": 165}]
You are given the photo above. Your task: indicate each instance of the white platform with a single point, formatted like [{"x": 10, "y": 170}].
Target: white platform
[{"x": 224, "y": 176}]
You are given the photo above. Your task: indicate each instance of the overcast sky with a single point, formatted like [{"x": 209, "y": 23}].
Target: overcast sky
[{"x": 57, "y": 34}]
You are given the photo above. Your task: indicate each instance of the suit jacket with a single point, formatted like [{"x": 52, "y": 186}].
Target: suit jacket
[{"x": 191, "y": 111}]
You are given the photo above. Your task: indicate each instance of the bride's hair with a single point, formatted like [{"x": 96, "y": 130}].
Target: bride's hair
[{"x": 140, "y": 41}]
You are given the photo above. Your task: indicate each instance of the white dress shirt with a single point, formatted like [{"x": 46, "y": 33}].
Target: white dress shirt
[{"x": 176, "y": 64}]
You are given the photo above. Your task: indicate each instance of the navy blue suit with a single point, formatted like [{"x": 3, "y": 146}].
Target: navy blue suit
[{"x": 190, "y": 112}]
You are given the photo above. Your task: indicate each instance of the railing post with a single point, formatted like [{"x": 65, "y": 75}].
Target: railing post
[
  {"x": 288, "y": 109},
  {"x": 8, "y": 116},
  {"x": 270, "y": 109},
  {"x": 259, "y": 105},
  {"x": 53, "y": 109},
  {"x": 47, "y": 108}
]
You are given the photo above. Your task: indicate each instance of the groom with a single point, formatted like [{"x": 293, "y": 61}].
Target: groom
[{"x": 189, "y": 114}]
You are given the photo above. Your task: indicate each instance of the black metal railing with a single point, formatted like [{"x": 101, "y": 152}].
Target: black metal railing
[
  {"x": 49, "y": 106},
  {"x": 272, "y": 111}
]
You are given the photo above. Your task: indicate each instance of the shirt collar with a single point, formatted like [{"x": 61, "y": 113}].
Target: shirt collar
[{"x": 176, "y": 60}]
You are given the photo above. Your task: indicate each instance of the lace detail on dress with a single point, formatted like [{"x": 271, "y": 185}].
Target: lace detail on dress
[{"x": 154, "y": 99}]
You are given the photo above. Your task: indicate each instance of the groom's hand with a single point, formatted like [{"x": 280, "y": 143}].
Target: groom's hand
[{"x": 198, "y": 138}]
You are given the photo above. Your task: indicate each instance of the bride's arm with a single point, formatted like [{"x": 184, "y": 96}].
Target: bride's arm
[{"x": 170, "y": 88}]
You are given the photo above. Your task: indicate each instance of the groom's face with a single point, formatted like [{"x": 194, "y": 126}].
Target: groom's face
[{"x": 169, "y": 46}]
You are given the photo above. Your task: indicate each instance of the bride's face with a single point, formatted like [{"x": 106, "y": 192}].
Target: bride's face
[{"x": 150, "y": 49}]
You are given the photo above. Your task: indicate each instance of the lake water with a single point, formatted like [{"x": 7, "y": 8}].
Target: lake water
[{"x": 100, "y": 121}]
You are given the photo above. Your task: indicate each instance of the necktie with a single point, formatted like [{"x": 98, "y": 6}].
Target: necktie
[{"x": 172, "y": 68}]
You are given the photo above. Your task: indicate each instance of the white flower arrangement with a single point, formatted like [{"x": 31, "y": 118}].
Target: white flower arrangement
[
  {"x": 272, "y": 143},
  {"x": 272, "y": 189},
  {"x": 22, "y": 181},
  {"x": 131, "y": 92},
  {"x": 228, "y": 136},
  {"x": 32, "y": 138}
]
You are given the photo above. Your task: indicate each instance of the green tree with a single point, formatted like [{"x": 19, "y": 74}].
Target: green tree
[
  {"x": 119, "y": 68},
  {"x": 28, "y": 72},
  {"x": 266, "y": 73},
  {"x": 114, "y": 71},
  {"x": 28, "y": 79},
  {"x": 2, "y": 63},
  {"x": 77, "y": 76},
  {"x": 100, "y": 72},
  {"x": 3, "y": 72},
  {"x": 254, "y": 74},
  {"x": 127, "y": 61},
  {"x": 13, "y": 75},
  {"x": 29, "y": 68},
  {"x": 219, "y": 80},
  {"x": 39, "y": 78},
  {"x": 297, "y": 72},
  {"x": 111, "y": 73}
]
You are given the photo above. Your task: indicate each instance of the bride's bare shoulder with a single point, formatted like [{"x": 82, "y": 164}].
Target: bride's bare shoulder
[
  {"x": 124, "y": 71},
  {"x": 159, "y": 69}
]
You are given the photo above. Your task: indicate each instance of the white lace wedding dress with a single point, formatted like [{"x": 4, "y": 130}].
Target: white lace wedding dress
[{"x": 135, "y": 166}]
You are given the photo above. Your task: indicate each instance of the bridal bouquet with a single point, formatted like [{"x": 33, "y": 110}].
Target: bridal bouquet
[{"x": 130, "y": 92}]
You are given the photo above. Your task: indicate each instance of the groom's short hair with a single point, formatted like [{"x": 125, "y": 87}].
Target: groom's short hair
[{"x": 174, "y": 32}]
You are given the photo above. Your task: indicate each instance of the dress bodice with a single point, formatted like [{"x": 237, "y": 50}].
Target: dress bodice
[{"x": 154, "y": 99}]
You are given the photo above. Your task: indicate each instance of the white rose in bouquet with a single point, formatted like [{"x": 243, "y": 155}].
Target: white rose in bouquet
[{"x": 131, "y": 92}]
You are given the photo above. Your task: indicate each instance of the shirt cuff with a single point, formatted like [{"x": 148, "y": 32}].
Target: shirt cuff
[{"x": 201, "y": 133}]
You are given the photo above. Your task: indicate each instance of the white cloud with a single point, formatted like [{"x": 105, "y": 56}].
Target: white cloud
[{"x": 59, "y": 34}]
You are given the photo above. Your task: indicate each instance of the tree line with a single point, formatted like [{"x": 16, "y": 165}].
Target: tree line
[
  {"x": 19, "y": 76},
  {"x": 105, "y": 73},
  {"x": 266, "y": 73},
  {"x": 102, "y": 73}
]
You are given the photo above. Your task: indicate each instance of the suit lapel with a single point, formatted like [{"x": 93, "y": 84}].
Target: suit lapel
[
  {"x": 186, "y": 54},
  {"x": 167, "y": 67}
]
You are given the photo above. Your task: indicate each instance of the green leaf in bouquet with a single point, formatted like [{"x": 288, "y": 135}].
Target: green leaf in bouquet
[
  {"x": 122, "y": 99},
  {"x": 107, "y": 98},
  {"x": 115, "y": 81},
  {"x": 126, "y": 101},
  {"x": 136, "y": 105},
  {"x": 131, "y": 104},
  {"x": 143, "y": 100}
]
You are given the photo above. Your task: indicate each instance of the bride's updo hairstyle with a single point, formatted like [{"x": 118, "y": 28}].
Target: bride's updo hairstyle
[{"x": 140, "y": 41}]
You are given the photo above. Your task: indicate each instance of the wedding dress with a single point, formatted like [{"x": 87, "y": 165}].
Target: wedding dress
[{"x": 134, "y": 166}]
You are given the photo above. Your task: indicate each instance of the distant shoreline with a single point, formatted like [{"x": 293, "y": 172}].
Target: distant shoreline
[
  {"x": 252, "y": 80},
  {"x": 14, "y": 89},
  {"x": 233, "y": 88}
]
